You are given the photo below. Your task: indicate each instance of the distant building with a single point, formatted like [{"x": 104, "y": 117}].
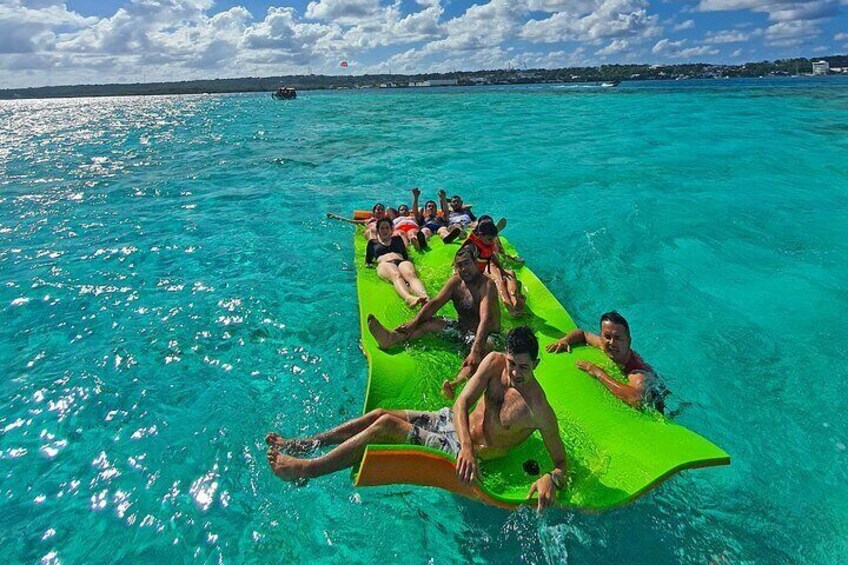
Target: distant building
[
  {"x": 435, "y": 82},
  {"x": 821, "y": 67}
]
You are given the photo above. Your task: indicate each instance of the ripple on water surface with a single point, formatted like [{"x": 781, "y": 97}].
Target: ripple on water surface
[{"x": 171, "y": 290}]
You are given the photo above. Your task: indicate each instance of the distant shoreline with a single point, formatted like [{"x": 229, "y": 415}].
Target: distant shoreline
[{"x": 574, "y": 75}]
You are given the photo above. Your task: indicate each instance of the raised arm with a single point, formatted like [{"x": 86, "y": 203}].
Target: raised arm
[
  {"x": 466, "y": 461},
  {"x": 631, "y": 393},
  {"x": 572, "y": 338},
  {"x": 416, "y": 192},
  {"x": 443, "y": 202},
  {"x": 549, "y": 483}
]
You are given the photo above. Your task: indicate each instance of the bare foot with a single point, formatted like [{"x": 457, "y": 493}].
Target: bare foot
[
  {"x": 454, "y": 233},
  {"x": 285, "y": 467},
  {"x": 385, "y": 338},
  {"x": 447, "y": 390},
  {"x": 414, "y": 301},
  {"x": 291, "y": 446}
]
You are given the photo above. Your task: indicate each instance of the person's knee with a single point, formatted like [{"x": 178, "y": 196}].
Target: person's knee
[
  {"x": 388, "y": 426},
  {"x": 377, "y": 413}
]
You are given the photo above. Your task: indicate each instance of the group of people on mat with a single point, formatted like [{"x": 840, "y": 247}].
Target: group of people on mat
[
  {"x": 391, "y": 231},
  {"x": 501, "y": 404}
]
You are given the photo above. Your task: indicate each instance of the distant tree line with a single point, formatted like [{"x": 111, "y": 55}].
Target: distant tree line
[{"x": 497, "y": 76}]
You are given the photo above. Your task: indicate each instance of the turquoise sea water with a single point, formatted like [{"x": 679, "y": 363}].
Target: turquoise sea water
[{"x": 170, "y": 290}]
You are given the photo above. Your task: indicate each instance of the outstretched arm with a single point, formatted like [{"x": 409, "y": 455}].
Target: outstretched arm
[
  {"x": 466, "y": 461},
  {"x": 572, "y": 338},
  {"x": 631, "y": 393},
  {"x": 549, "y": 483},
  {"x": 431, "y": 307},
  {"x": 332, "y": 216}
]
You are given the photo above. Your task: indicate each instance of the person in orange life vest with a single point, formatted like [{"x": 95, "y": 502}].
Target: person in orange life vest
[{"x": 485, "y": 238}]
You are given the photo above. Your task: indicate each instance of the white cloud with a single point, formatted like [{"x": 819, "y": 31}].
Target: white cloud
[
  {"x": 679, "y": 49},
  {"x": 729, "y": 36},
  {"x": 593, "y": 21},
  {"x": 43, "y": 42},
  {"x": 29, "y": 27},
  {"x": 791, "y": 33},
  {"x": 795, "y": 21},
  {"x": 343, "y": 11},
  {"x": 778, "y": 10},
  {"x": 615, "y": 47}
]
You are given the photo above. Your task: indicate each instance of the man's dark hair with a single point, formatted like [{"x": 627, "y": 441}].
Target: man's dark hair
[
  {"x": 381, "y": 221},
  {"x": 380, "y": 204},
  {"x": 616, "y": 318},
  {"x": 433, "y": 202},
  {"x": 522, "y": 340},
  {"x": 486, "y": 228},
  {"x": 456, "y": 197}
]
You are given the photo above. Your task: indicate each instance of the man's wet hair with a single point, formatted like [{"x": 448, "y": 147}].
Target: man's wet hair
[
  {"x": 381, "y": 221},
  {"x": 433, "y": 202},
  {"x": 522, "y": 340},
  {"x": 615, "y": 318},
  {"x": 380, "y": 204},
  {"x": 469, "y": 251},
  {"x": 456, "y": 197}
]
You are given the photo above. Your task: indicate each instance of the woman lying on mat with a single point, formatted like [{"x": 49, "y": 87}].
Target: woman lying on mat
[{"x": 389, "y": 254}]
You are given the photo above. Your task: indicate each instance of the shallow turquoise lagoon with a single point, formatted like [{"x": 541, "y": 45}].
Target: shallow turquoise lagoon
[{"x": 170, "y": 290}]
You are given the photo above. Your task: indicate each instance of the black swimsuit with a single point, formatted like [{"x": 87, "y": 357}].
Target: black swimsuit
[{"x": 377, "y": 249}]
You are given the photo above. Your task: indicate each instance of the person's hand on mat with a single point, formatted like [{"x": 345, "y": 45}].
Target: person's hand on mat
[
  {"x": 558, "y": 346},
  {"x": 545, "y": 489},
  {"x": 587, "y": 367},
  {"x": 466, "y": 465}
]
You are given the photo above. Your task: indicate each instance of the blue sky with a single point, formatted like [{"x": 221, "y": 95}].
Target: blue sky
[{"x": 48, "y": 42}]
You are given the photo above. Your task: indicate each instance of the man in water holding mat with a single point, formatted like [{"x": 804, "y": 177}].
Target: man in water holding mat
[
  {"x": 643, "y": 387},
  {"x": 500, "y": 407}
]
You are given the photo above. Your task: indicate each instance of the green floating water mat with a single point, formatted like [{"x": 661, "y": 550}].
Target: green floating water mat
[{"x": 615, "y": 453}]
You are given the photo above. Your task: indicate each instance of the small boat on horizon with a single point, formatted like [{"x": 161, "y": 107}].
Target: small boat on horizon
[
  {"x": 285, "y": 93},
  {"x": 610, "y": 84}
]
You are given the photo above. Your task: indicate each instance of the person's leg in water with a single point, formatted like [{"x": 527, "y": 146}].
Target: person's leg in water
[
  {"x": 389, "y": 427},
  {"x": 387, "y": 338},
  {"x": 390, "y": 272},
  {"x": 409, "y": 274},
  {"x": 335, "y": 436}
]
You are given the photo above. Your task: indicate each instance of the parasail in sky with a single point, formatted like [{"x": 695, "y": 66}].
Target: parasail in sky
[{"x": 343, "y": 64}]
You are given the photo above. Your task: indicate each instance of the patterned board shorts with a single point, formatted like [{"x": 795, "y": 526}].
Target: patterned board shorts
[
  {"x": 435, "y": 429},
  {"x": 454, "y": 332}
]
